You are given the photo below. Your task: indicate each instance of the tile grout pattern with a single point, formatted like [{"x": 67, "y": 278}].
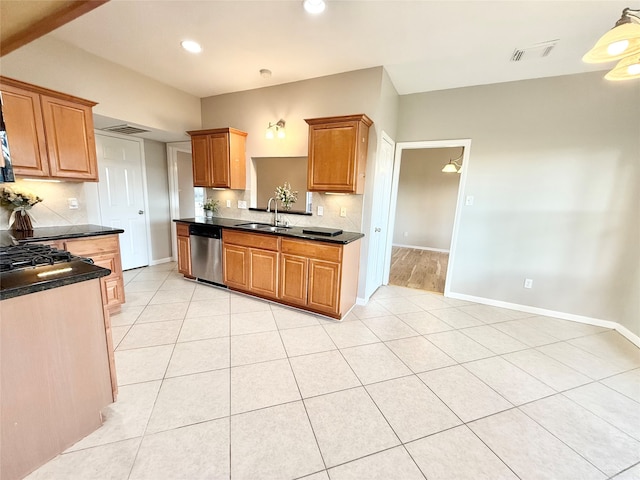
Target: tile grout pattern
[{"x": 215, "y": 384}]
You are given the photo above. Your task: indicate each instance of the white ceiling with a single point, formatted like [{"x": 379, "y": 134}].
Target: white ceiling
[{"x": 424, "y": 45}]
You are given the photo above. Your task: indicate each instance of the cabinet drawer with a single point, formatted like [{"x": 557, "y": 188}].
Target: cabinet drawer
[
  {"x": 321, "y": 251},
  {"x": 108, "y": 261},
  {"x": 182, "y": 229},
  {"x": 93, "y": 246},
  {"x": 252, "y": 240}
]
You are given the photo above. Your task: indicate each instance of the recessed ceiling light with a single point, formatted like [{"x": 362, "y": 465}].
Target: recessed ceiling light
[
  {"x": 191, "y": 46},
  {"x": 314, "y": 6},
  {"x": 265, "y": 73}
]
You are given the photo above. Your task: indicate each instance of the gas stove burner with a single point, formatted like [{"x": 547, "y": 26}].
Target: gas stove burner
[{"x": 32, "y": 255}]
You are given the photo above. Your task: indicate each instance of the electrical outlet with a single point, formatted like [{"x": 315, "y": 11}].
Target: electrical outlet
[
  {"x": 228, "y": 203},
  {"x": 343, "y": 211},
  {"x": 242, "y": 204},
  {"x": 73, "y": 203},
  {"x": 528, "y": 283},
  {"x": 320, "y": 211},
  {"x": 469, "y": 200}
]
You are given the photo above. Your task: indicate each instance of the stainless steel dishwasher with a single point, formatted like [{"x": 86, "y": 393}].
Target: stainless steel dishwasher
[{"x": 206, "y": 253}]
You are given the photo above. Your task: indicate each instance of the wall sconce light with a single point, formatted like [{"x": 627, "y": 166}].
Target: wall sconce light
[
  {"x": 275, "y": 129},
  {"x": 622, "y": 43},
  {"x": 453, "y": 166}
]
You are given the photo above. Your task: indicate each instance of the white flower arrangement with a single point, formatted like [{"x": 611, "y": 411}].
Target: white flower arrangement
[
  {"x": 19, "y": 200},
  {"x": 286, "y": 196}
]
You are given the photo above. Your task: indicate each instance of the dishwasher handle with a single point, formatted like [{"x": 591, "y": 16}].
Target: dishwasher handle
[{"x": 208, "y": 231}]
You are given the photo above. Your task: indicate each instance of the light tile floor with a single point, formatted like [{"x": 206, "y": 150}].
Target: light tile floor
[{"x": 217, "y": 385}]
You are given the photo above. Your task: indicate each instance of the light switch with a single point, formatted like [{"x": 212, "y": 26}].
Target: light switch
[
  {"x": 228, "y": 203},
  {"x": 73, "y": 203},
  {"x": 320, "y": 211}
]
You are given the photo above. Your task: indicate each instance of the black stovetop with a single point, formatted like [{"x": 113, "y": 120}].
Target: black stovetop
[{"x": 23, "y": 256}]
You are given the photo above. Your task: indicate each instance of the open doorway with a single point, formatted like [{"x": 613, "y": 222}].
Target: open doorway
[{"x": 425, "y": 212}]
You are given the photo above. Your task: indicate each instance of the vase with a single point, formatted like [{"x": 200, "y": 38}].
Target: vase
[
  {"x": 21, "y": 221},
  {"x": 208, "y": 213}
]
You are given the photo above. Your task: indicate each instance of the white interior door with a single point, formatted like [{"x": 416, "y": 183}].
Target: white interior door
[
  {"x": 380, "y": 215},
  {"x": 122, "y": 196}
]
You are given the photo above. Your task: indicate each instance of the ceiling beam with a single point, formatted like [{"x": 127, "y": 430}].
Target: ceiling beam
[{"x": 42, "y": 22}]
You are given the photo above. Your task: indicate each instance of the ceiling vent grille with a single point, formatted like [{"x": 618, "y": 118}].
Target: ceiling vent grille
[
  {"x": 125, "y": 129},
  {"x": 539, "y": 50}
]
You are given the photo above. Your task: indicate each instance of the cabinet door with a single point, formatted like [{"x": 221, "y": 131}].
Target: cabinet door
[
  {"x": 264, "y": 272},
  {"x": 324, "y": 285},
  {"x": 332, "y": 157},
  {"x": 236, "y": 266},
  {"x": 201, "y": 162},
  {"x": 293, "y": 279},
  {"x": 219, "y": 158},
  {"x": 23, "y": 117},
  {"x": 71, "y": 144},
  {"x": 184, "y": 255}
]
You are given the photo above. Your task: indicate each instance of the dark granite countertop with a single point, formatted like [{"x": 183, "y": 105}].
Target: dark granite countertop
[
  {"x": 48, "y": 234},
  {"x": 295, "y": 232},
  {"x": 23, "y": 282}
]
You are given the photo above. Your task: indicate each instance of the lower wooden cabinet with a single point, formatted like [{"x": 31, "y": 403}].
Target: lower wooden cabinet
[
  {"x": 251, "y": 262},
  {"x": 184, "y": 249},
  {"x": 317, "y": 276},
  {"x": 104, "y": 250}
]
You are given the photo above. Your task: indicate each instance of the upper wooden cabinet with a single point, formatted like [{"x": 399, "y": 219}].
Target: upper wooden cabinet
[
  {"x": 219, "y": 158},
  {"x": 338, "y": 153},
  {"x": 50, "y": 133}
]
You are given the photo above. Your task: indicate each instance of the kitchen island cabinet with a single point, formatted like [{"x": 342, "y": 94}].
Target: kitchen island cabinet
[
  {"x": 50, "y": 133},
  {"x": 219, "y": 159},
  {"x": 338, "y": 153},
  {"x": 55, "y": 378}
]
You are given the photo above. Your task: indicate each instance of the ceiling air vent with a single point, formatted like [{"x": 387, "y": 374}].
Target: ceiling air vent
[
  {"x": 539, "y": 50},
  {"x": 125, "y": 129}
]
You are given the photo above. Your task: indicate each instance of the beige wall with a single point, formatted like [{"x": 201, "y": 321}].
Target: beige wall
[
  {"x": 155, "y": 156},
  {"x": 427, "y": 198},
  {"x": 555, "y": 174},
  {"x": 273, "y": 172},
  {"x": 121, "y": 93}
]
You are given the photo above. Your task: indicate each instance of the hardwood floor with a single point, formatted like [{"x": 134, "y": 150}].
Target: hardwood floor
[{"x": 421, "y": 269}]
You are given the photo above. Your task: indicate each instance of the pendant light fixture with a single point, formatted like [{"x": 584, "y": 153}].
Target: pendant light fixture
[
  {"x": 622, "y": 43},
  {"x": 453, "y": 166}
]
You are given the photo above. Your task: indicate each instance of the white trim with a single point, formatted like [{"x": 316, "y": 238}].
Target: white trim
[
  {"x": 628, "y": 334},
  {"x": 400, "y": 146},
  {"x": 172, "y": 173},
  {"x": 161, "y": 260},
  {"x": 415, "y": 247},
  {"x": 145, "y": 191}
]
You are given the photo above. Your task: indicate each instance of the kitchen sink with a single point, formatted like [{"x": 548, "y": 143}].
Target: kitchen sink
[
  {"x": 253, "y": 226},
  {"x": 262, "y": 226}
]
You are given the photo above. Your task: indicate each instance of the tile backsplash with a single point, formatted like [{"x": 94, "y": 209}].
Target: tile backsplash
[
  {"x": 331, "y": 204},
  {"x": 54, "y": 210}
]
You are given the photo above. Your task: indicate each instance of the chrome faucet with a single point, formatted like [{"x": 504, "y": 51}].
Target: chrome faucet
[{"x": 275, "y": 217}]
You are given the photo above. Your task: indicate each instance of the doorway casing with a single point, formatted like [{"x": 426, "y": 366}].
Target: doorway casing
[
  {"x": 400, "y": 147},
  {"x": 174, "y": 203}
]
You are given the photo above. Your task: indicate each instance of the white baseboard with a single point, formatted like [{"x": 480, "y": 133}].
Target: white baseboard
[
  {"x": 414, "y": 247},
  {"x": 361, "y": 301},
  {"x": 621, "y": 329},
  {"x": 161, "y": 260}
]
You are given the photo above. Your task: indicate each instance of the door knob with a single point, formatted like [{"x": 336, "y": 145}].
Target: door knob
[
  {"x": 377, "y": 229},
  {"x": 140, "y": 212}
]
